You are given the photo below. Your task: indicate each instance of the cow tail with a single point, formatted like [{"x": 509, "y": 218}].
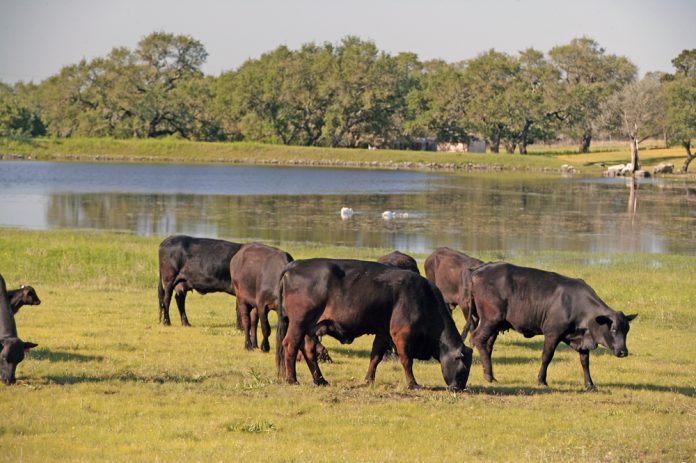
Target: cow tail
[
  {"x": 471, "y": 303},
  {"x": 282, "y": 329}
]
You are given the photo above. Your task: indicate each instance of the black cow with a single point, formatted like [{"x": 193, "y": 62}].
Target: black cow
[
  {"x": 401, "y": 260},
  {"x": 534, "y": 302},
  {"x": 449, "y": 271},
  {"x": 25, "y": 295},
  {"x": 348, "y": 298},
  {"x": 13, "y": 348},
  {"x": 187, "y": 263}
]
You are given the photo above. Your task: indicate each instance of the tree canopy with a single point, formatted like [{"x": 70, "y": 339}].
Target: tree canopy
[{"x": 345, "y": 94}]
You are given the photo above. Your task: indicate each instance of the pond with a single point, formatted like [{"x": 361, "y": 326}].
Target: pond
[{"x": 471, "y": 212}]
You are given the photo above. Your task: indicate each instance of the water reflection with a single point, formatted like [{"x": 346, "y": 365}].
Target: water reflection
[{"x": 475, "y": 213}]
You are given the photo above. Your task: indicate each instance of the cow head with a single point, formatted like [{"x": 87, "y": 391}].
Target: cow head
[
  {"x": 29, "y": 296},
  {"x": 611, "y": 330},
  {"x": 12, "y": 354},
  {"x": 455, "y": 367}
]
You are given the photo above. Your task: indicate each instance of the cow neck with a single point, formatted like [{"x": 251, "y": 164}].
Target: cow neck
[{"x": 8, "y": 328}]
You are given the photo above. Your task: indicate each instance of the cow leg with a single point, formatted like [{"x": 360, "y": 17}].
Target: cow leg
[
  {"x": 585, "y": 362},
  {"x": 379, "y": 347},
  {"x": 238, "y": 313},
  {"x": 245, "y": 310},
  {"x": 400, "y": 341},
  {"x": 481, "y": 338},
  {"x": 254, "y": 327},
  {"x": 166, "y": 301},
  {"x": 309, "y": 350},
  {"x": 550, "y": 344},
  {"x": 291, "y": 345},
  {"x": 265, "y": 328},
  {"x": 180, "y": 297}
]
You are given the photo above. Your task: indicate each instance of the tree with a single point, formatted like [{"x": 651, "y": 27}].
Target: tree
[
  {"x": 588, "y": 77},
  {"x": 438, "y": 104},
  {"x": 679, "y": 93},
  {"x": 637, "y": 112},
  {"x": 527, "y": 101},
  {"x": 488, "y": 76},
  {"x": 17, "y": 116}
]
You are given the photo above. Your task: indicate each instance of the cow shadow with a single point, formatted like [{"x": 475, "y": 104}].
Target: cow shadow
[
  {"x": 682, "y": 390},
  {"x": 127, "y": 377},
  {"x": 43, "y": 354}
]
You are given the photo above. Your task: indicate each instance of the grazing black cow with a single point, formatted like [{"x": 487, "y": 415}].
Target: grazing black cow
[
  {"x": 348, "y": 298},
  {"x": 187, "y": 263},
  {"x": 13, "y": 348},
  {"x": 534, "y": 302},
  {"x": 401, "y": 260},
  {"x": 25, "y": 295},
  {"x": 449, "y": 271}
]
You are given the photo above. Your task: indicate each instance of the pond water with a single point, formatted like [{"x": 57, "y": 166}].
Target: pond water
[{"x": 291, "y": 204}]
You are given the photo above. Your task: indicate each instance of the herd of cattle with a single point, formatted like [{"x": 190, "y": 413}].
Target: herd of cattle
[{"x": 389, "y": 298}]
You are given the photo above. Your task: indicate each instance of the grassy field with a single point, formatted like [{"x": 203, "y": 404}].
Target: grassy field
[
  {"x": 542, "y": 157},
  {"x": 108, "y": 383}
]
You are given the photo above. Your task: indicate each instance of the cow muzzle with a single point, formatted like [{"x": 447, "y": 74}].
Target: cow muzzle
[{"x": 622, "y": 353}]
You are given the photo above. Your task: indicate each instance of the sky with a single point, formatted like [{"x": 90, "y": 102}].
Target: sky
[{"x": 39, "y": 37}]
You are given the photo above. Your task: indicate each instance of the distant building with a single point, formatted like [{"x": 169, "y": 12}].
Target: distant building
[{"x": 474, "y": 146}]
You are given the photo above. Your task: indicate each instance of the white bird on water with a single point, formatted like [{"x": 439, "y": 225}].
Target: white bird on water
[
  {"x": 389, "y": 215},
  {"x": 346, "y": 213}
]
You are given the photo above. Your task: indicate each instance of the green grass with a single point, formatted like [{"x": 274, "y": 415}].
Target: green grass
[
  {"x": 541, "y": 158},
  {"x": 108, "y": 383}
]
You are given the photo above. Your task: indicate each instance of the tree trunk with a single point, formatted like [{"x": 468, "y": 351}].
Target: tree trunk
[
  {"x": 523, "y": 146},
  {"x": 585, "y": 142},
  {"x": 510, "y": 147},
  {"x": 689, "y": 156},
  {"x": 635, "y": 161},
  {"x": 495, "y": 144}
]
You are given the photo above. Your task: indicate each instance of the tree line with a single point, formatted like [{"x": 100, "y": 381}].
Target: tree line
[{"x": 351, "y": 94}]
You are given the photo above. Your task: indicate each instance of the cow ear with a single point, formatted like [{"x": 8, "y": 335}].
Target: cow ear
[
  {"x": 28, "y": 346},
  {"x": 602, "y": 320},
  {"x": 631, "y": 317}
]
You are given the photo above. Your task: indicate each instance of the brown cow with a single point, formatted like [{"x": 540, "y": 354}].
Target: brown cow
[
  {"x": 255, "y": 271},
  {"x": 533, "y": 302},
  {"x": 401, "y": 260},
  {"x": 449, "y": 271},
  {"x": 348, "y": 298}
]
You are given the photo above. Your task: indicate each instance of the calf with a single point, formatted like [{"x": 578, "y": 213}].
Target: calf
[
  {"x": 348, "y": 298},
  {"x": 13, "y": 348},
  {"x": 187, "y": 263},
  {"x": 534, "y": 302},
  {"x": 449, "y": 271},
  {"x": 25, "y": 295},
  {"x": 401, "y": 260}
]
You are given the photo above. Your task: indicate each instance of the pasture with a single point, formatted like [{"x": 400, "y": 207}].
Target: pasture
[{"x": 107, "y": 382}]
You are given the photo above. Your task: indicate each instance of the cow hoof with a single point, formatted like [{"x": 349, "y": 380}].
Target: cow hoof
[
  {"x": 186, "y": 324},
  {"x": 490, "y": 379},
  {"x": 415, "y": 386},
  {"x": 591, "y": 388},
  {"x": 542, "y": 383},
  {"x": 321, "y": 382},
  {"x": 325, "y": 358},
  {"x": 248, "y": 347},
  {"x": 166, "y": 323},
  {"x": 265, "y": 347}
]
